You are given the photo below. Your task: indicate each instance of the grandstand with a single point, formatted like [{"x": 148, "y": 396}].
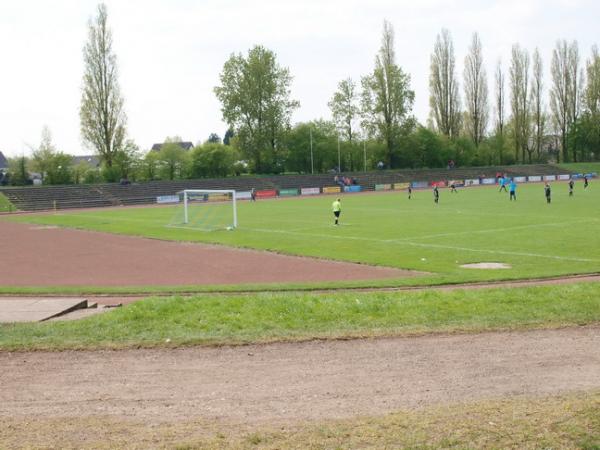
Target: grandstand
[{"x": 36, "y": 198}]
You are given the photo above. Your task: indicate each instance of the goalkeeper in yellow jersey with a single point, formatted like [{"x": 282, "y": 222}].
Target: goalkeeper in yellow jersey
[{"x": 337, "y": 210}]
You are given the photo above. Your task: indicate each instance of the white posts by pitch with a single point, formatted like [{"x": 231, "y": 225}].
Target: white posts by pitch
[{"x": 185, "y": 207}]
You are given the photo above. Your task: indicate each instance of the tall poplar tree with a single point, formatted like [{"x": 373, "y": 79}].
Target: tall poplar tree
[
  {"x": 101, "y": 113},
  {"x": 444, "y": 98},
  {"x": 387, "y": 99},
  {"x": 519, "y": 100},
  {"x": 476, "y": 92},
  {"x": 537, "y": 106}
]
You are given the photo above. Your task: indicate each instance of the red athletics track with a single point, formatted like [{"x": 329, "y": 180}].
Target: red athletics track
[{"x": 47, "y": 256}]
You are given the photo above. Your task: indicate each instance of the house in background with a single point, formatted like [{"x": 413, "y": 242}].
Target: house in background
[
  {"x": 184, "y": 145},
  {"x": 92, "y": 160},
  {"x": 3, "y": 170},
  {"x": 3, "y": 163}
]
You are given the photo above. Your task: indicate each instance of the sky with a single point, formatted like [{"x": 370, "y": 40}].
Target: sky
[{"x": 170, "y": 54}]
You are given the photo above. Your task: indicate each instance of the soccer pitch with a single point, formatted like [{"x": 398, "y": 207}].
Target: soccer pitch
[{"x": 476, "y": 225}]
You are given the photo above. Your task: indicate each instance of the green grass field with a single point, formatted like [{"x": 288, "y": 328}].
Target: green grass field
[{"x": 475, "y": 225}]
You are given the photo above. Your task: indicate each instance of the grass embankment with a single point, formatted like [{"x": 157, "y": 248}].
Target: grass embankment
[
  {"x": 565, "y": 422},
  {"x": 584, "y": 167},
  {"x": 240, "y": 319},
  {"x": 5, "y": 204}
]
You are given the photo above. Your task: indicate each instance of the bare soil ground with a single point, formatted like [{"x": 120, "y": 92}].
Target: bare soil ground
[
  {"x": 285, "y": 383},
  {"x": 49, "y": 256}
]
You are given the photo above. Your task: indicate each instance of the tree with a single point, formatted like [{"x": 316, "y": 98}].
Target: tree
[
  {"x": 101, "y": 112},
  {"x": 214, "y": 138},
  {"x": 173, "y": 159},
  {"x": 53, "y": 166},
  {"x": 387, "y": 99},
  {"x": 476, "y": 92},
  {"x": 17, "y": 168},
  {"x": 500, "y": 99},
  {"x": 345, "y": 109},
  {"x": 229, "y": 134},
  {"x": 255, "y": 99},
  {"x": 80, "y": 172},
  {"x": 41, "y": 158},
  {"x": 592, "y": 90},
  {"x": 565, "y": 92},
  {"x": 499, "y": 124},
  {"x": 576, "y": 89},
  {"x": 519, "y": 100},
  {"x": 59, "y": 170},
  {"x": 538, "y": 114},
  {"x": 213, "y": 160},
  {"x": 149, "y": 166},
  {"x": 324, "y": 147},
  {"x": 592, "y": 100},
  {"x": 127, "y": 161},
  {"x": 443, "y": 87}
]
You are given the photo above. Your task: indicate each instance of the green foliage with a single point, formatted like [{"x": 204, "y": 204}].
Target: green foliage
[
  {"x": 213, "y": 160},
  {"x": 17, "y": 171},
  {"x": 228, "y": 136},
  {"x": 213, "y": 138},
  {"x": 173, "y": 161},
  {"x": 387, "y": 100},
  {"x": 53, "y": 166},
  {"x": 149, "y": 166},
  {"x": 584, "y": 137},
  {"x": 344, "y": 108},
  {"x": 101, "y": 112},
  {"x": 126, "y": 163},
  {"x": 59, "y": 169},
  {"x": 324, "y": 143},
  {"x": 254, "y": 94}
]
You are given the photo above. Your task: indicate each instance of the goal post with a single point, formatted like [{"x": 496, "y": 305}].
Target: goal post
[{"x": 207, "y": 209}]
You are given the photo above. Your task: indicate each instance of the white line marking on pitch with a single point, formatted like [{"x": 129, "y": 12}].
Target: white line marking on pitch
[{"x": 417, "y": 244}]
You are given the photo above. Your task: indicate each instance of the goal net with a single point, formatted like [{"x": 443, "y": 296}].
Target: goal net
[{"x": 206, "y": 209}]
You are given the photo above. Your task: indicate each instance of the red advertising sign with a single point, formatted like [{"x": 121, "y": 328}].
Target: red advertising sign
[
  {"x": 266, "y": 194},
  {"x": 438, "y": 183}
]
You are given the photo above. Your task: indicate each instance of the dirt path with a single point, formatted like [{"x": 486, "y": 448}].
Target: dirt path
[
  {"x": 268, "y": 384},
  {"x": 50, "y": 256}
]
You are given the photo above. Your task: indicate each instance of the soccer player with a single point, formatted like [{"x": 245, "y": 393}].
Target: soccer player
[
  {"x": 436, "y": 194},
  {"x": 337, "y": 209},
  {"x": 585, "y": 181},
  {"x": 513, "y": 190},
  {"x": 548, "y": 193},
  {"x": 571, "y": 184},
  {"x": 453, "y": 188},
  {"x": 409, "y": 192},
  {"x": 502, "y": 183}
]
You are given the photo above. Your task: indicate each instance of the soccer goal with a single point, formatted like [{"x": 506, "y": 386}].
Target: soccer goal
[{"x": 206, "y": 209}]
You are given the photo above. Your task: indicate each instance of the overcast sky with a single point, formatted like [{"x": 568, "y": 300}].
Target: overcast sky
[{"x": 170, "y": 54}]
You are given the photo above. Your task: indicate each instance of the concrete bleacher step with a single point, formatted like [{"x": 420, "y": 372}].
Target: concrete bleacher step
[{"x": 37, "y": 309}]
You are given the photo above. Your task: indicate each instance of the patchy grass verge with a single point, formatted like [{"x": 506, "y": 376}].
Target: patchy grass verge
[
  {"x": 5, "y": 204},
  {"x": 566, "y": 422},
  {"x": 255, "y": 318}
]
